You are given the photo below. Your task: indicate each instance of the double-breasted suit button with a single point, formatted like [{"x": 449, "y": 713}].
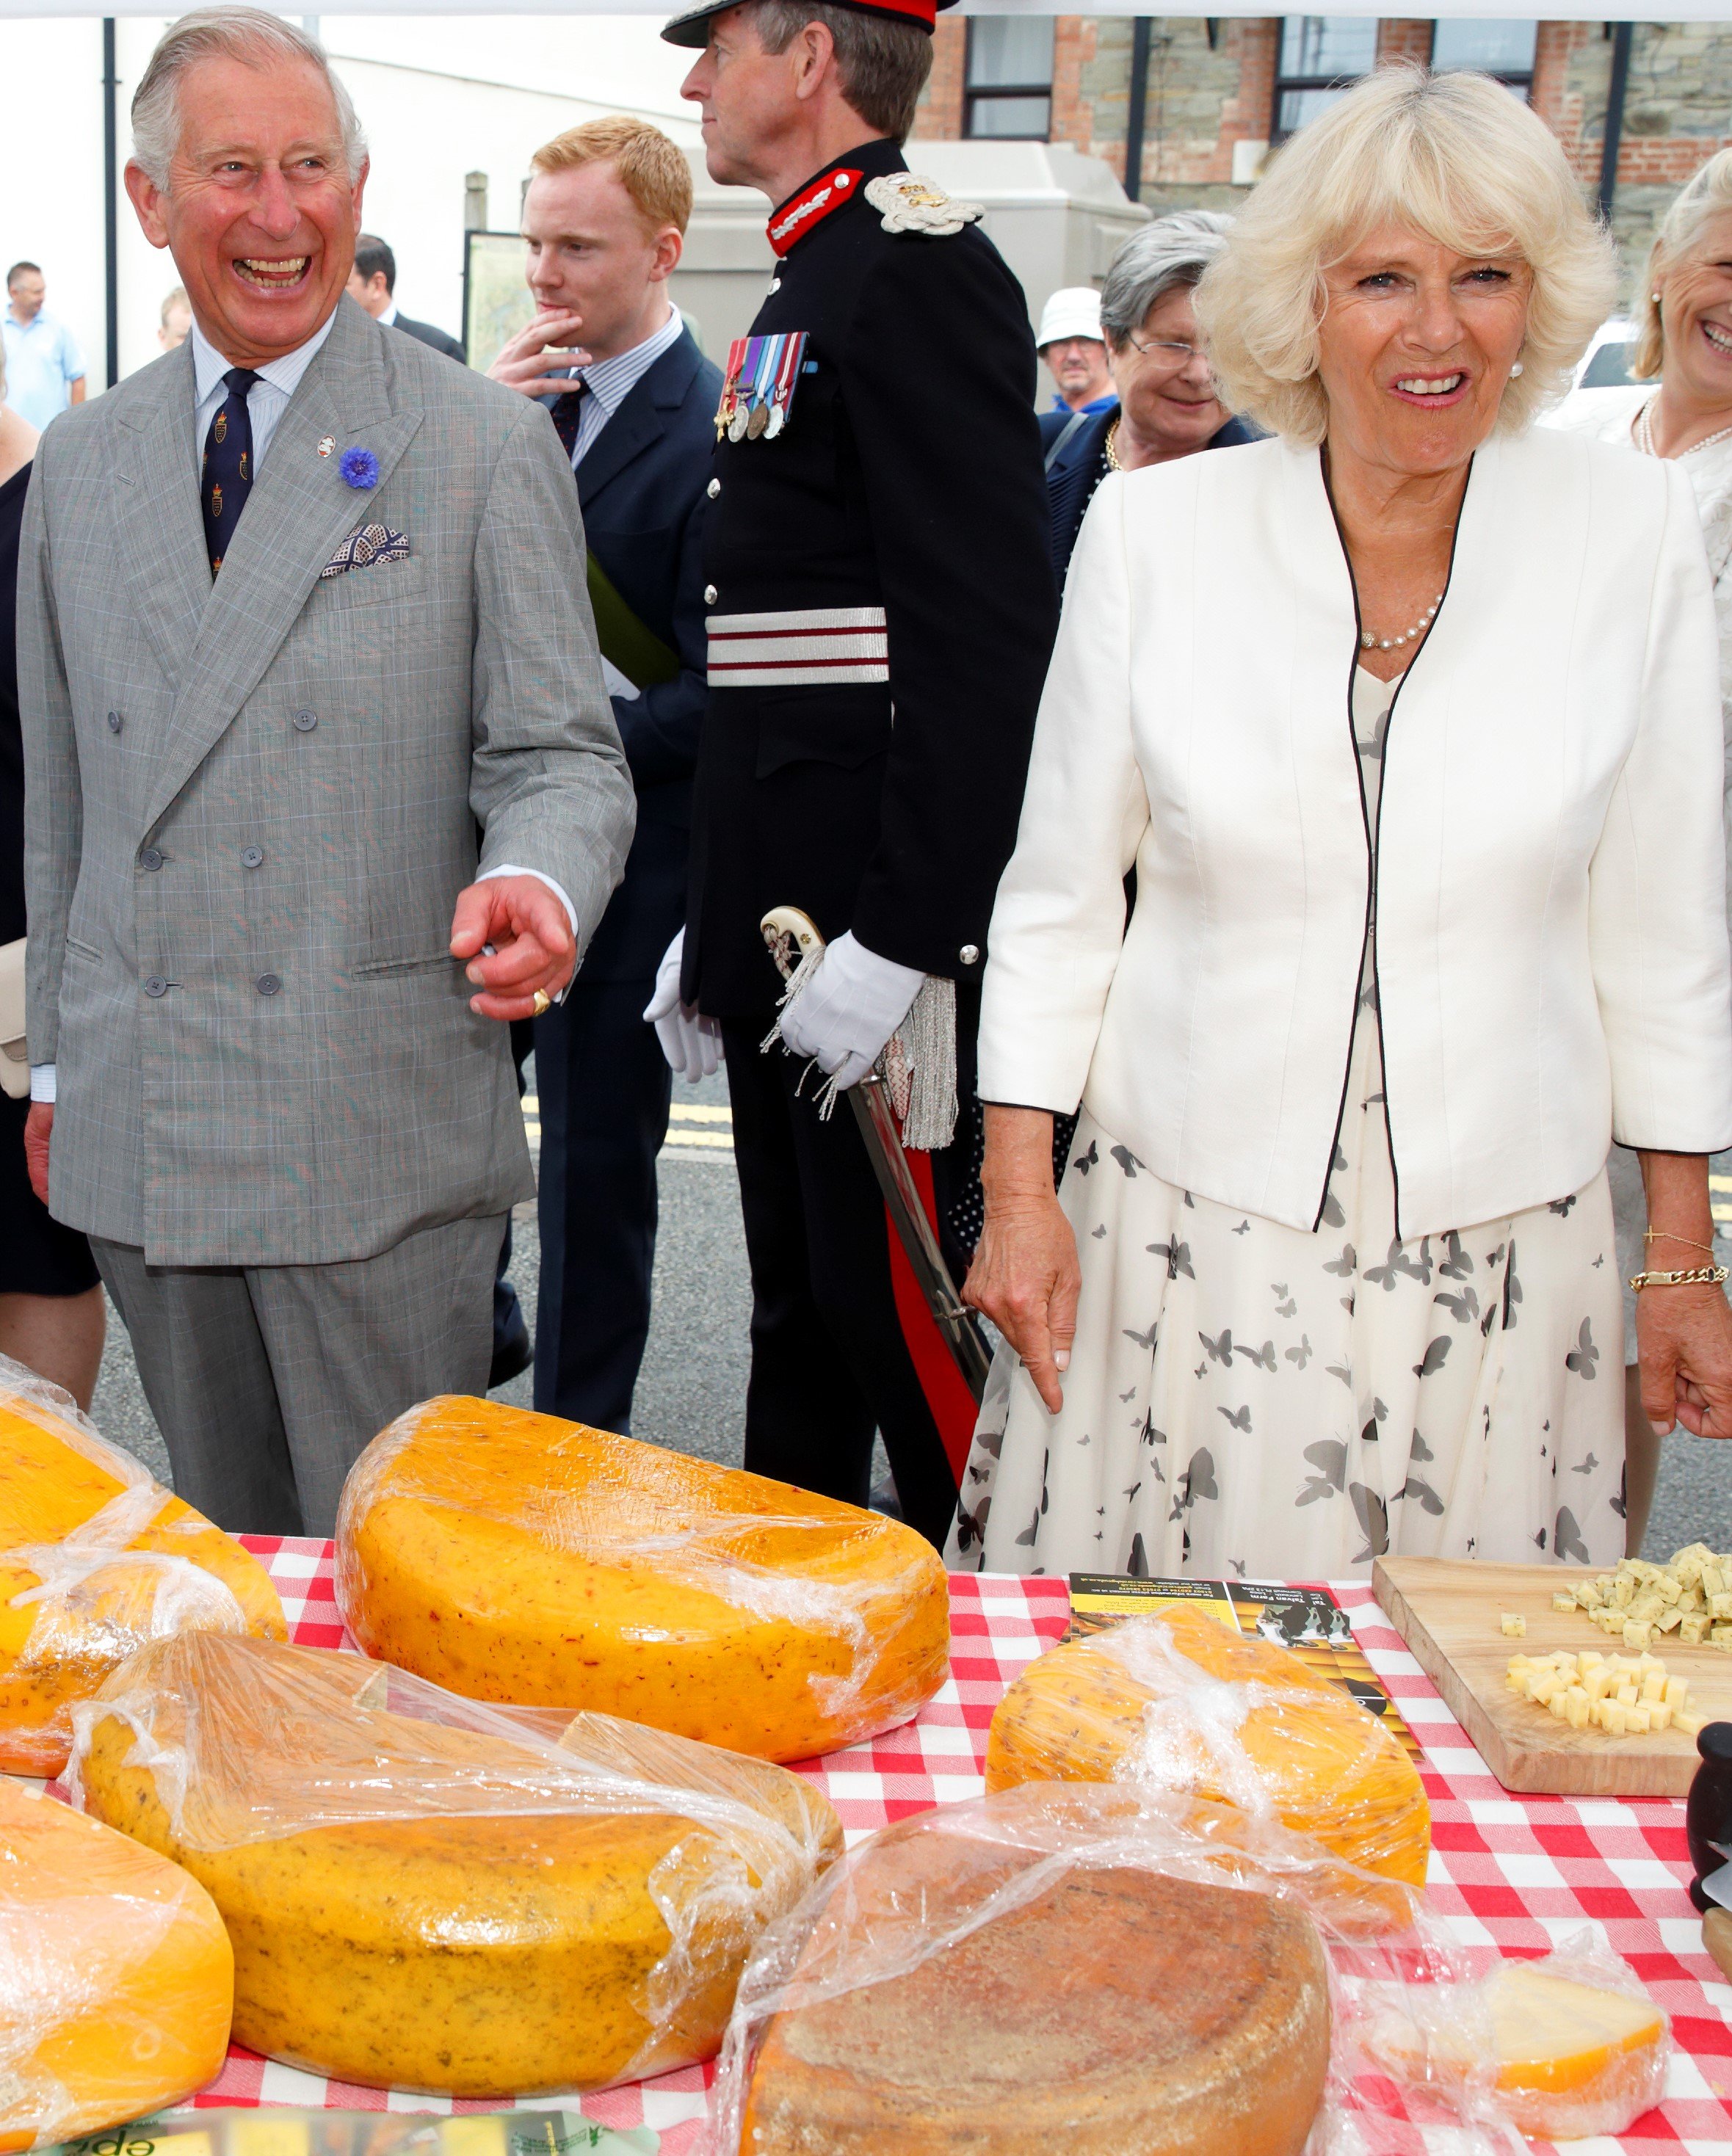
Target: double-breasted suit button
[
  {"x": 713, "y": 489},
  {"x": 305, "y": 722},
  {"x": 114, "y": 722},
  {"x": 267, "y": 984},
  {"x": 970, "y": 954},
  {"x": 252, "y": 857},
  {"x": 711, "y": 595},
  {"x": 153, "y": 857},
  {"x": 156, "y": 986}
]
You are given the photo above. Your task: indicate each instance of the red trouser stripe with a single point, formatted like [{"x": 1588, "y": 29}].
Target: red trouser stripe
[{"x": 953, "y": 1406}]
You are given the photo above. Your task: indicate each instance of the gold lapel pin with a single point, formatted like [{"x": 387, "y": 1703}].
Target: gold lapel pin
[{"x": 327, "y": 443}]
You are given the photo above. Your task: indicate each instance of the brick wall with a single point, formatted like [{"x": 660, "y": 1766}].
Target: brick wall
[
  {"x": 1202, "y": 101},
  {"x": 939, "y": 118}
]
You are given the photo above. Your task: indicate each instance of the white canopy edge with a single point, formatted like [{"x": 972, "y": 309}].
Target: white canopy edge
[{"x": 1560, "y": 11}]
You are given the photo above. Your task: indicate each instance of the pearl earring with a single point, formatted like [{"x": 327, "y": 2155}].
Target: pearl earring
[
  {"x": 1655, "y": 297},
  {"x": 1516, "y": 368}
]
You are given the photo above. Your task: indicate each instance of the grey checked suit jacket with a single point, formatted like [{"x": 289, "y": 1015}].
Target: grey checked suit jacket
[{"x": 277, "y": 778}]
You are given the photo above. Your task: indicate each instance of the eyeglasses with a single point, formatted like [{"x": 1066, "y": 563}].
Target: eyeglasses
[{"x": 1172, "y": 355}]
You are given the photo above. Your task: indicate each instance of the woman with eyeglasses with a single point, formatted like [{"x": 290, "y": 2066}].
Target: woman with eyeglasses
[
  {"x": 1167, "y": 406},
  {"x": 1409, "y": 719}
]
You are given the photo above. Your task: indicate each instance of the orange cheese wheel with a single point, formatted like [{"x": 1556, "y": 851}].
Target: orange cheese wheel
[
  {"x": 1135, "y": 1704},
  {"x": 1120, "y": 2013},
  {"x": 431, "y": 1895},
  {"x": 57, "y": 1647},
  {"x": 116, "y": 1980},
  {"x": 513, "y": 1557}
]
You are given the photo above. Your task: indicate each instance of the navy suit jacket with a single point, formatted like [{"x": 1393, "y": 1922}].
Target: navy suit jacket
[
  {"x": 642, "y": 488},
  {"x": 1080, "y": 465}
]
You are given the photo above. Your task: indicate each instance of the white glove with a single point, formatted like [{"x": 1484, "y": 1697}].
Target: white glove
[
  {"x": 852, "y": 1004},
  {"x": 691, "y": 1043}
]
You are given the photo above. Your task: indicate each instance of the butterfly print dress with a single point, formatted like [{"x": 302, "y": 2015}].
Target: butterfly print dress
[{"x": 1245, "y": 1397}]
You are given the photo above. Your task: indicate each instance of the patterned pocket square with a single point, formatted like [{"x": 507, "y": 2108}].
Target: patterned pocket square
[{"x": 370, "y": 543}]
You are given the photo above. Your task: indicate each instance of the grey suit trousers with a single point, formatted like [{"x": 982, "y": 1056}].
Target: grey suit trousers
[{"x": 268, "y": 1381}]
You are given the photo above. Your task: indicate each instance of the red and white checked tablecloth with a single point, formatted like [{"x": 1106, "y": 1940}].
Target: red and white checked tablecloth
[{"x": 1517, "y": 1873}]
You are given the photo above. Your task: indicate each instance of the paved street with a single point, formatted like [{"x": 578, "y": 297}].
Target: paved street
[{"x": 693, "y": 1393}]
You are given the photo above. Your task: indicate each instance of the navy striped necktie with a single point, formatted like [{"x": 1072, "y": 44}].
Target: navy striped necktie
[
  {"x": 226, "y": 474},
  {"x": 567, "y": 415}
]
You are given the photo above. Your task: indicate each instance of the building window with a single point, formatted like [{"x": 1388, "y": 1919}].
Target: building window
[
  {"x": 1503, "y": 49},
  {"x": 1008, "y": 93},
  {"x": 1321, "y": 56}
]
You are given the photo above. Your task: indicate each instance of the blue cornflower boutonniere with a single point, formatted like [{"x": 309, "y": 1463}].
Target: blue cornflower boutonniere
[{"x": 360, "y": 468}]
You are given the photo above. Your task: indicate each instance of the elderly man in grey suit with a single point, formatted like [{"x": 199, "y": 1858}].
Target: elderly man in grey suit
[{"x": 301, "y": 607}]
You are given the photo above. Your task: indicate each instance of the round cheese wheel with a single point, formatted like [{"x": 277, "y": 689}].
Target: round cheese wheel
[
  {"x": 510, "y": 1556},
  {"x": 1120, "y": 2013},
  {"x": 116, "y": 1980},
  {"x": 495, "y": 1920},
  {"x": 145, "y": 1565},
  {"x": 1177, "y": 1700}
]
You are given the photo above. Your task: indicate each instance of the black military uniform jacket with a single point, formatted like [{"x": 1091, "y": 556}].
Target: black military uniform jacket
[{"x": 880, "y": 608}]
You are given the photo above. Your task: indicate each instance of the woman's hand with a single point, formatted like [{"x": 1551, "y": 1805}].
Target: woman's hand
[
  {"x": 1684, "y": 1335},
  {"x": 1024, "y": 1277},
  {"x": 1683, "y": 1338}
]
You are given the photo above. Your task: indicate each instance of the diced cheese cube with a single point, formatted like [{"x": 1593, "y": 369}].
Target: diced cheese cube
[
  {"x": 1671, "y": 1619},
  {"x": 1677, "y": 1690},
  {"x": 1627, "y": 1694},
  {"x": 1686, "y": 1721},
  {"x": 1635, "y": 1721},
  {"x": 1596, "y": 1683},
  {"x": 1512, "y": 1626},
  {"x": 1713, "y": 1582},
  {"x": 1623, "y": 1591},
  {"x": 1654, "y": 1686},
  {"x": 1692, "y": 1631},
  {"x": 1576, "y": 1703},
  {"x": 1637, "y": 1633},
  {"x": 1564, "y": 1603},
  {"x": 1591, "y": 1659},
  {"x": 1659, "y": 1716},
  {"x": 1588, "y": 1595},
  {"x": 1559, "y": 1701},
  {"x": 1719, "y": 1608},
  {"x": 1668, "y": 1590},
  {"x": 1611, "y": 1717}
]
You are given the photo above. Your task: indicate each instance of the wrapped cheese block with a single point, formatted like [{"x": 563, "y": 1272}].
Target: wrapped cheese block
[
  {"x": 513, "y": 1557},
  {"x": 1025, "y": 1984},
  {"x": 1572, "y": 2046},
  {"x": 1176, "y": 1701},
  {"x": 96, "y": 1558},
  {"x": 116, "y": 1980},
  {"x": 425, "y": 1892}
]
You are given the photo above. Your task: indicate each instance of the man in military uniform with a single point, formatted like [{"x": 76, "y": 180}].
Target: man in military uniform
[{"x": 880, "y": 615}]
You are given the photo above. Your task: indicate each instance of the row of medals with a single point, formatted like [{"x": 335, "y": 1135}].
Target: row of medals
[{"x": 747, "y": 423}]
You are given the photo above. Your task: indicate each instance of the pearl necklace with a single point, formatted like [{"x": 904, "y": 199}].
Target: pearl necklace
[
  {"x": 1645, "y": 435},
  {"x": 1370, "y": 641}
]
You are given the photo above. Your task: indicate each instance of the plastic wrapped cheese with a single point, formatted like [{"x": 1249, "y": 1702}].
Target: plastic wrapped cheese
[
  {"x": 116, "y": 1980},
  {"x": 96, "y": 1558},
  {"x": 1579, "y": 2048},
  {"x": 1100, "y": 1969},
  {"x": 513, "y": 1557},
  {"x": 1176, "y": 1701},
  {"x": 425, "y": 1892}
]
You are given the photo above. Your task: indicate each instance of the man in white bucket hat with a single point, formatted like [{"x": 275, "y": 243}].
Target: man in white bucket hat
[{"x": 1073, "y": 350}]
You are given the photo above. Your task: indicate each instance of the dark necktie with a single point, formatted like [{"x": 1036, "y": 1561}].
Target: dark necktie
[
  {"x": 567, "y": 415},
  {"x": 226, "y": 474}
]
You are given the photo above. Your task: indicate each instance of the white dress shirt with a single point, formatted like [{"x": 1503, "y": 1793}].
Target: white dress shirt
[
  {"x": 267, "y": 401},
  {"x": 610, "y": 382}
]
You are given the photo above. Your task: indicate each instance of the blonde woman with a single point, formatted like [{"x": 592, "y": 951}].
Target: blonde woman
[
  {"x": 1409, "y": 721},
  {"x": 1680, "y": 407}
]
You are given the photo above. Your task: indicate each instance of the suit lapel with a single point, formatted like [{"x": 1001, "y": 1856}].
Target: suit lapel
[
  {"x": 631, "y": 430},
  {"x": 154, "y": 487},
  {"x": 299, "y": 508}
]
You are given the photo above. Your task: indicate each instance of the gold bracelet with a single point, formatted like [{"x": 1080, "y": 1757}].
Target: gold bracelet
[
  {"x": 1665, "y": 1236},
  {"x": 1697, "y": 1276}
]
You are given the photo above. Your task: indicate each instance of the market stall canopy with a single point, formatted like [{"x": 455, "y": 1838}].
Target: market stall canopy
[{"x": 1562, "y": 10}]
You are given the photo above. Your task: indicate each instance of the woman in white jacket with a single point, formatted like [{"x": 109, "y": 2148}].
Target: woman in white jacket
[{"x": 1408, "y": 720}]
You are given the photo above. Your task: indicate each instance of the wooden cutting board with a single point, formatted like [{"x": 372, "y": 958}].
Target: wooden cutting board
[{"x": 1448, "y": 1612}]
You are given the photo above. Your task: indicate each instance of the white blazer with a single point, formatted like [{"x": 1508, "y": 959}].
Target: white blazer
[{"x": 1550, "y": 920}]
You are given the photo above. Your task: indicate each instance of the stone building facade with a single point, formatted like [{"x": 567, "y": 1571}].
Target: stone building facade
[{"x": 1210, "y": 102}]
